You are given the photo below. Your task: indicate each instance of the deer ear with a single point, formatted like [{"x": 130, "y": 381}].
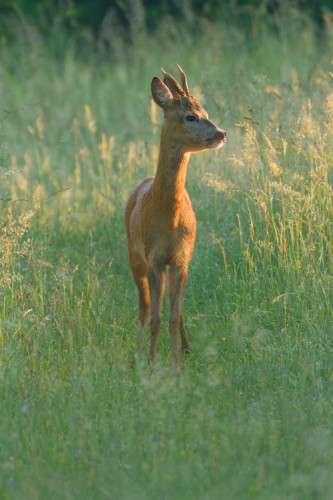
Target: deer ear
[{"x": 160, "y": 92}]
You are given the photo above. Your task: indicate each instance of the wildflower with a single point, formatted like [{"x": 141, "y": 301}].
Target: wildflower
[
  {"x": 40, "y": 127},
  {"x": 89, "y": 118}
]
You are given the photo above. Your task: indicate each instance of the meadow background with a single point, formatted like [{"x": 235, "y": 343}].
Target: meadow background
[{"x": 250, "y": 415}]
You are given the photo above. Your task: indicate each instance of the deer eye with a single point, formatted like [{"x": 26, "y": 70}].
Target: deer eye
[{"x": 191, "y": 118}]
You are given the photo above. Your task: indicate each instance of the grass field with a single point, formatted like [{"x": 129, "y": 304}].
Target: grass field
[{"x": 250, "y": 415}]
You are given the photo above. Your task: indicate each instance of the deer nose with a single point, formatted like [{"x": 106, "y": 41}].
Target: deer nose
[{"x": 221, "y": 134}]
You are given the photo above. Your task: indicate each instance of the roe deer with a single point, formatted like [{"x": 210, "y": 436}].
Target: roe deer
[{"x": 159, "y": 219}]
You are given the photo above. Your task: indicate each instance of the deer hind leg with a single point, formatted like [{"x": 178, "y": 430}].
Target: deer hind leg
[
  {"x": 177, "y": 281},
  {"x": 186, "y": 348},
  {"x": 156, "y": 279},
  {"x": 144, "y": 304},
  {"x": 139, "y": 271}
]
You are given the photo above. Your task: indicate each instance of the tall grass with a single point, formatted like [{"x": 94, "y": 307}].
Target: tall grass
[{"x": 250, "y": 414}]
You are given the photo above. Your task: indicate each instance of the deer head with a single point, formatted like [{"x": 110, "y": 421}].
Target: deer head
[{"x": 185, "y": 122}]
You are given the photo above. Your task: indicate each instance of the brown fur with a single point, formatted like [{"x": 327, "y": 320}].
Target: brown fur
[{"x": 159, "y": 219}]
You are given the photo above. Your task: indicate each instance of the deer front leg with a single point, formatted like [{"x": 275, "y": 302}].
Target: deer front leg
[
  {"x": 177, "y": 280},
  {"x": 156, "y": 279}
]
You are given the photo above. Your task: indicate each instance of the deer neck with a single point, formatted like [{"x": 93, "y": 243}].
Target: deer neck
[{"x": 169, "y": 183}]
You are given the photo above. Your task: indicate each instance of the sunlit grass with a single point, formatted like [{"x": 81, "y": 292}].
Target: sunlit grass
[{"x": 250, "y": 414}]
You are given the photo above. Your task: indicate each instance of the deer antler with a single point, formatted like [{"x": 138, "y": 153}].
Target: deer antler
[
  {"x": 172, "y": 85},
  {"x": 184, "y": 80}
]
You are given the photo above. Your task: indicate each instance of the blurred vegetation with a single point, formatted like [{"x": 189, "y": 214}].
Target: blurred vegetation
[{"x": 81, "y": 16}]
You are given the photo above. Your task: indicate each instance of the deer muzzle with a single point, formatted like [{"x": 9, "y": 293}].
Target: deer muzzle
[
  {"x": 221, "y": 135},
  {"x": 217, "y": 139}
]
